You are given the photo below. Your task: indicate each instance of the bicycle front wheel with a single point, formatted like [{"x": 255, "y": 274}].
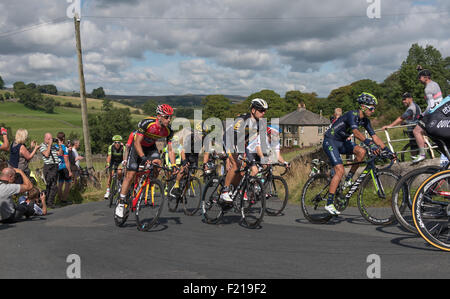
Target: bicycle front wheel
[
  {"x": 314, "y": 199},
  {"x": 431, "y": 210},
  {"x": 375, "y": 195},
  {"x": 113, "y": 191},
  {"x": 277, "y": 194},
  {"x": 404, "y": 192},
  {"x": 211, "y": 207},
  {"x": 150, "y": 205},
  {"x": 192, "y": 197},
  {"x": 253, "y": 204}
]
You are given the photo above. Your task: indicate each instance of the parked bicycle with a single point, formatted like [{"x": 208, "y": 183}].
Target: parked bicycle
[
  {"x": 375, "y": 191},
  {"x": 190, "y": 192},
  {"x": 87, "y": 178},
  {"x": 248, "y": 199},
  {"x": 146, "y": 199}
]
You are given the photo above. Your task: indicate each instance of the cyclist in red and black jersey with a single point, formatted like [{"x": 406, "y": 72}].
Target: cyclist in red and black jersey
[{"x": 143, "y": 149}]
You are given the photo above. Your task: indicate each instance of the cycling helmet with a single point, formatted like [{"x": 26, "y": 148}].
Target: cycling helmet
[
  {"x": 367, "y": 99},
  {"x": 164, "y": 109},
  {"x": 117, "y": 138},
  {"x": 259, "y": 104},
  {"x": 275, "y": 129},
  {"x": 406, "y": 95}
]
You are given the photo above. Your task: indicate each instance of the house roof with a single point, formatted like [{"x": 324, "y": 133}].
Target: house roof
[{"x": 303, "y": 117}]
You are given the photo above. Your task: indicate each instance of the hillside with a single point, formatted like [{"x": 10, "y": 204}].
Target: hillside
[
  {"x": 66, "y": 119},
  {"x": 173, "y": 100}
]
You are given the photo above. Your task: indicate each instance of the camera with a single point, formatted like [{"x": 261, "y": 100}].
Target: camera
[{"x": 55, "y": 140}]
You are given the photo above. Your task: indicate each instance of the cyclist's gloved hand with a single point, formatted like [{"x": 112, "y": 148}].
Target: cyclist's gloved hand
[
  {"x": 368, "y": 141},
  {"x": 184, "y": 162},
  {"x": 144, "y": 160}
]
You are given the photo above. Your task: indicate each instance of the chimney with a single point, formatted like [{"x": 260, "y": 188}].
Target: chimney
[{"x": 301, "y": 106}]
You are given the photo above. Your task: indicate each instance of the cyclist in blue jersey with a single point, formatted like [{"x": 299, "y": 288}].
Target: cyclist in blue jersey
[{"x": 337, "y": 141}]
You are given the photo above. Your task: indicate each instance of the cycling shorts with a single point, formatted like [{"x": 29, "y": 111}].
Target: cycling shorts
[
  {"x": 334, "y": 149},
  {"x": 134, "y": 160}
]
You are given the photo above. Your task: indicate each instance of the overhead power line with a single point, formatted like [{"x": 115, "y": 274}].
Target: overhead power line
[{"x": 35, "y": 26}]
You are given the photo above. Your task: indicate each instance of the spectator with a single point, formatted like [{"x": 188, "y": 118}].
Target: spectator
[
  {"x": 19, "y": 154},
  {"x": 4, "y": 145},
  {"x": 74, "y": 158},
  {"x": 35, "y": 200},
  {"x": 64, "y": 171},
  {"x": 49, "y": 152},
  {"x": 10, "y": 212}
]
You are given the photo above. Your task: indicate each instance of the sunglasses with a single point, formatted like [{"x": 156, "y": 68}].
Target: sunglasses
[
  {"x": 371, "y": 108},
  {"x": 262, "y": 110},
  {"x": 166, "y": 116}
]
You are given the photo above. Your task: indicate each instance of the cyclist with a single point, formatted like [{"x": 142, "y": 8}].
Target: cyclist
[
  {"x": 189, "y": 156},
  {"x": 433, "y": 96},
  {"x": 115, "y": 158},
  {"x": 336, "y": 142},
  {"x": 250, "y": 122},
  {"x": 143, "y": 149},
  {"x": 410, "y": 117}
]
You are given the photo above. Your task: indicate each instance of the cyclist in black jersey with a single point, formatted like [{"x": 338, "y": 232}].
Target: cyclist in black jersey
[
  {"x": 115, "y": 158},
  {"x": 337, "y": 141},
  {"x": 249, "y": 125}
]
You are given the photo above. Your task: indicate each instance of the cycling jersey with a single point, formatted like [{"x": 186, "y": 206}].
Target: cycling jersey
[
  {"x": 343, "y": 127},
  {"x": 116, "y": 154},
  {"x": 412, "y": 115},
  {"x": 433, "y": 95},
  {"x": 152, "y": 131},
  {"x": 131, "y": 139},
  {"x": 244, "y": 130}
]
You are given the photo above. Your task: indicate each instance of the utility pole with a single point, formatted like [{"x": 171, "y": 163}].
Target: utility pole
[{"x": 84, "y": 113}]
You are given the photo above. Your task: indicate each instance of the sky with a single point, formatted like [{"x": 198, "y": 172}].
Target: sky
[{"x": 234, "y": 47}]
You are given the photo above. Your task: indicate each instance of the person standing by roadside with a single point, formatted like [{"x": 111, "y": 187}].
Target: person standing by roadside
[
  {"x": 64, "y": 172},
  {"x": 19, "y": 154},
  {"x": 49, "y": 153},
  {"x": 74, "y": 159},
  {"x": 4, "y": 145}
]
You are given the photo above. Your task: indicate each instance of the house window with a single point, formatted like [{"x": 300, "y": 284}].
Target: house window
[
  {"x": 288, "y": 129},
  {"x": 320, "y": 130},
  {"x": 288, "y": 142},
  {"x": 302, "y": 130}
]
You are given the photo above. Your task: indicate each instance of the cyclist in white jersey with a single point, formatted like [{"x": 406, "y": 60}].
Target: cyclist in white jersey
[{"x": 433, "y": 96}]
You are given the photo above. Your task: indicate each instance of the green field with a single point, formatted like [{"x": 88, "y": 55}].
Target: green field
[{"x": 15, "y": 116}]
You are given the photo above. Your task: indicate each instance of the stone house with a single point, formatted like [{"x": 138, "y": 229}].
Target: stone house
[{"x": 302, "y": 128}]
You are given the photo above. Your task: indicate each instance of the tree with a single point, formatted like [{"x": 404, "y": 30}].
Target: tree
[
  {"x": 2, "y": 83},
  {"x": 48, "y": 105},
  {"x": 107, "y": 124},
  {"x": 107, "y": 105},
  {"x": 98, "y": 93},
  {"x": 49, "y": 89},
  {"x": 216, "y": 106},
  {"x": 150, "y": 107},
  {"x": 18, "y": 86}
]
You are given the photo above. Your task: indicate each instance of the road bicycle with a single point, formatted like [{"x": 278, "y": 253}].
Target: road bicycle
[
  {"x": 431, "y": 205},
  {"x": 146, "y": 199},
  {"x": 248, "y": 199},
  {"x": 318, "y": 166},
  {"x": 375, "y": 189},
  {"x": 276, "y": 189},
  {"x": 115, "y": 186},
  {"x": 190, "y": 192}
]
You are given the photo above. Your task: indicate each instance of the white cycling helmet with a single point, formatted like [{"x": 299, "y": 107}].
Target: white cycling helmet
[{"x": 259, "y": 104}]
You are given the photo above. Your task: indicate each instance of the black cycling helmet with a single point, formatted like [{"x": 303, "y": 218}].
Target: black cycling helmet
[
  {"x": 367, "y": 99},
  {"x": 406, "y": 95}
]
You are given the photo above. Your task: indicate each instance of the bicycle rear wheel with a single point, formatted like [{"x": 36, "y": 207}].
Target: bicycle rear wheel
[
  {"x": 150, "y": 205},
  {"x": 314, "y": 199},
  {"x": 211, "y": 207},
  {"x": 193, "y": 197},
  {"x": 431, "y": 210},
  {"x": 277, "y": 194},
  {"x": 404, "y": 192},
  {"x": 253, "y": 205},
  {"x": 375, "y": 204}
]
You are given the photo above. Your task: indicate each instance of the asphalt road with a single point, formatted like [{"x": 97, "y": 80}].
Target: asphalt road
[{"x": 185, "y": 247}]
